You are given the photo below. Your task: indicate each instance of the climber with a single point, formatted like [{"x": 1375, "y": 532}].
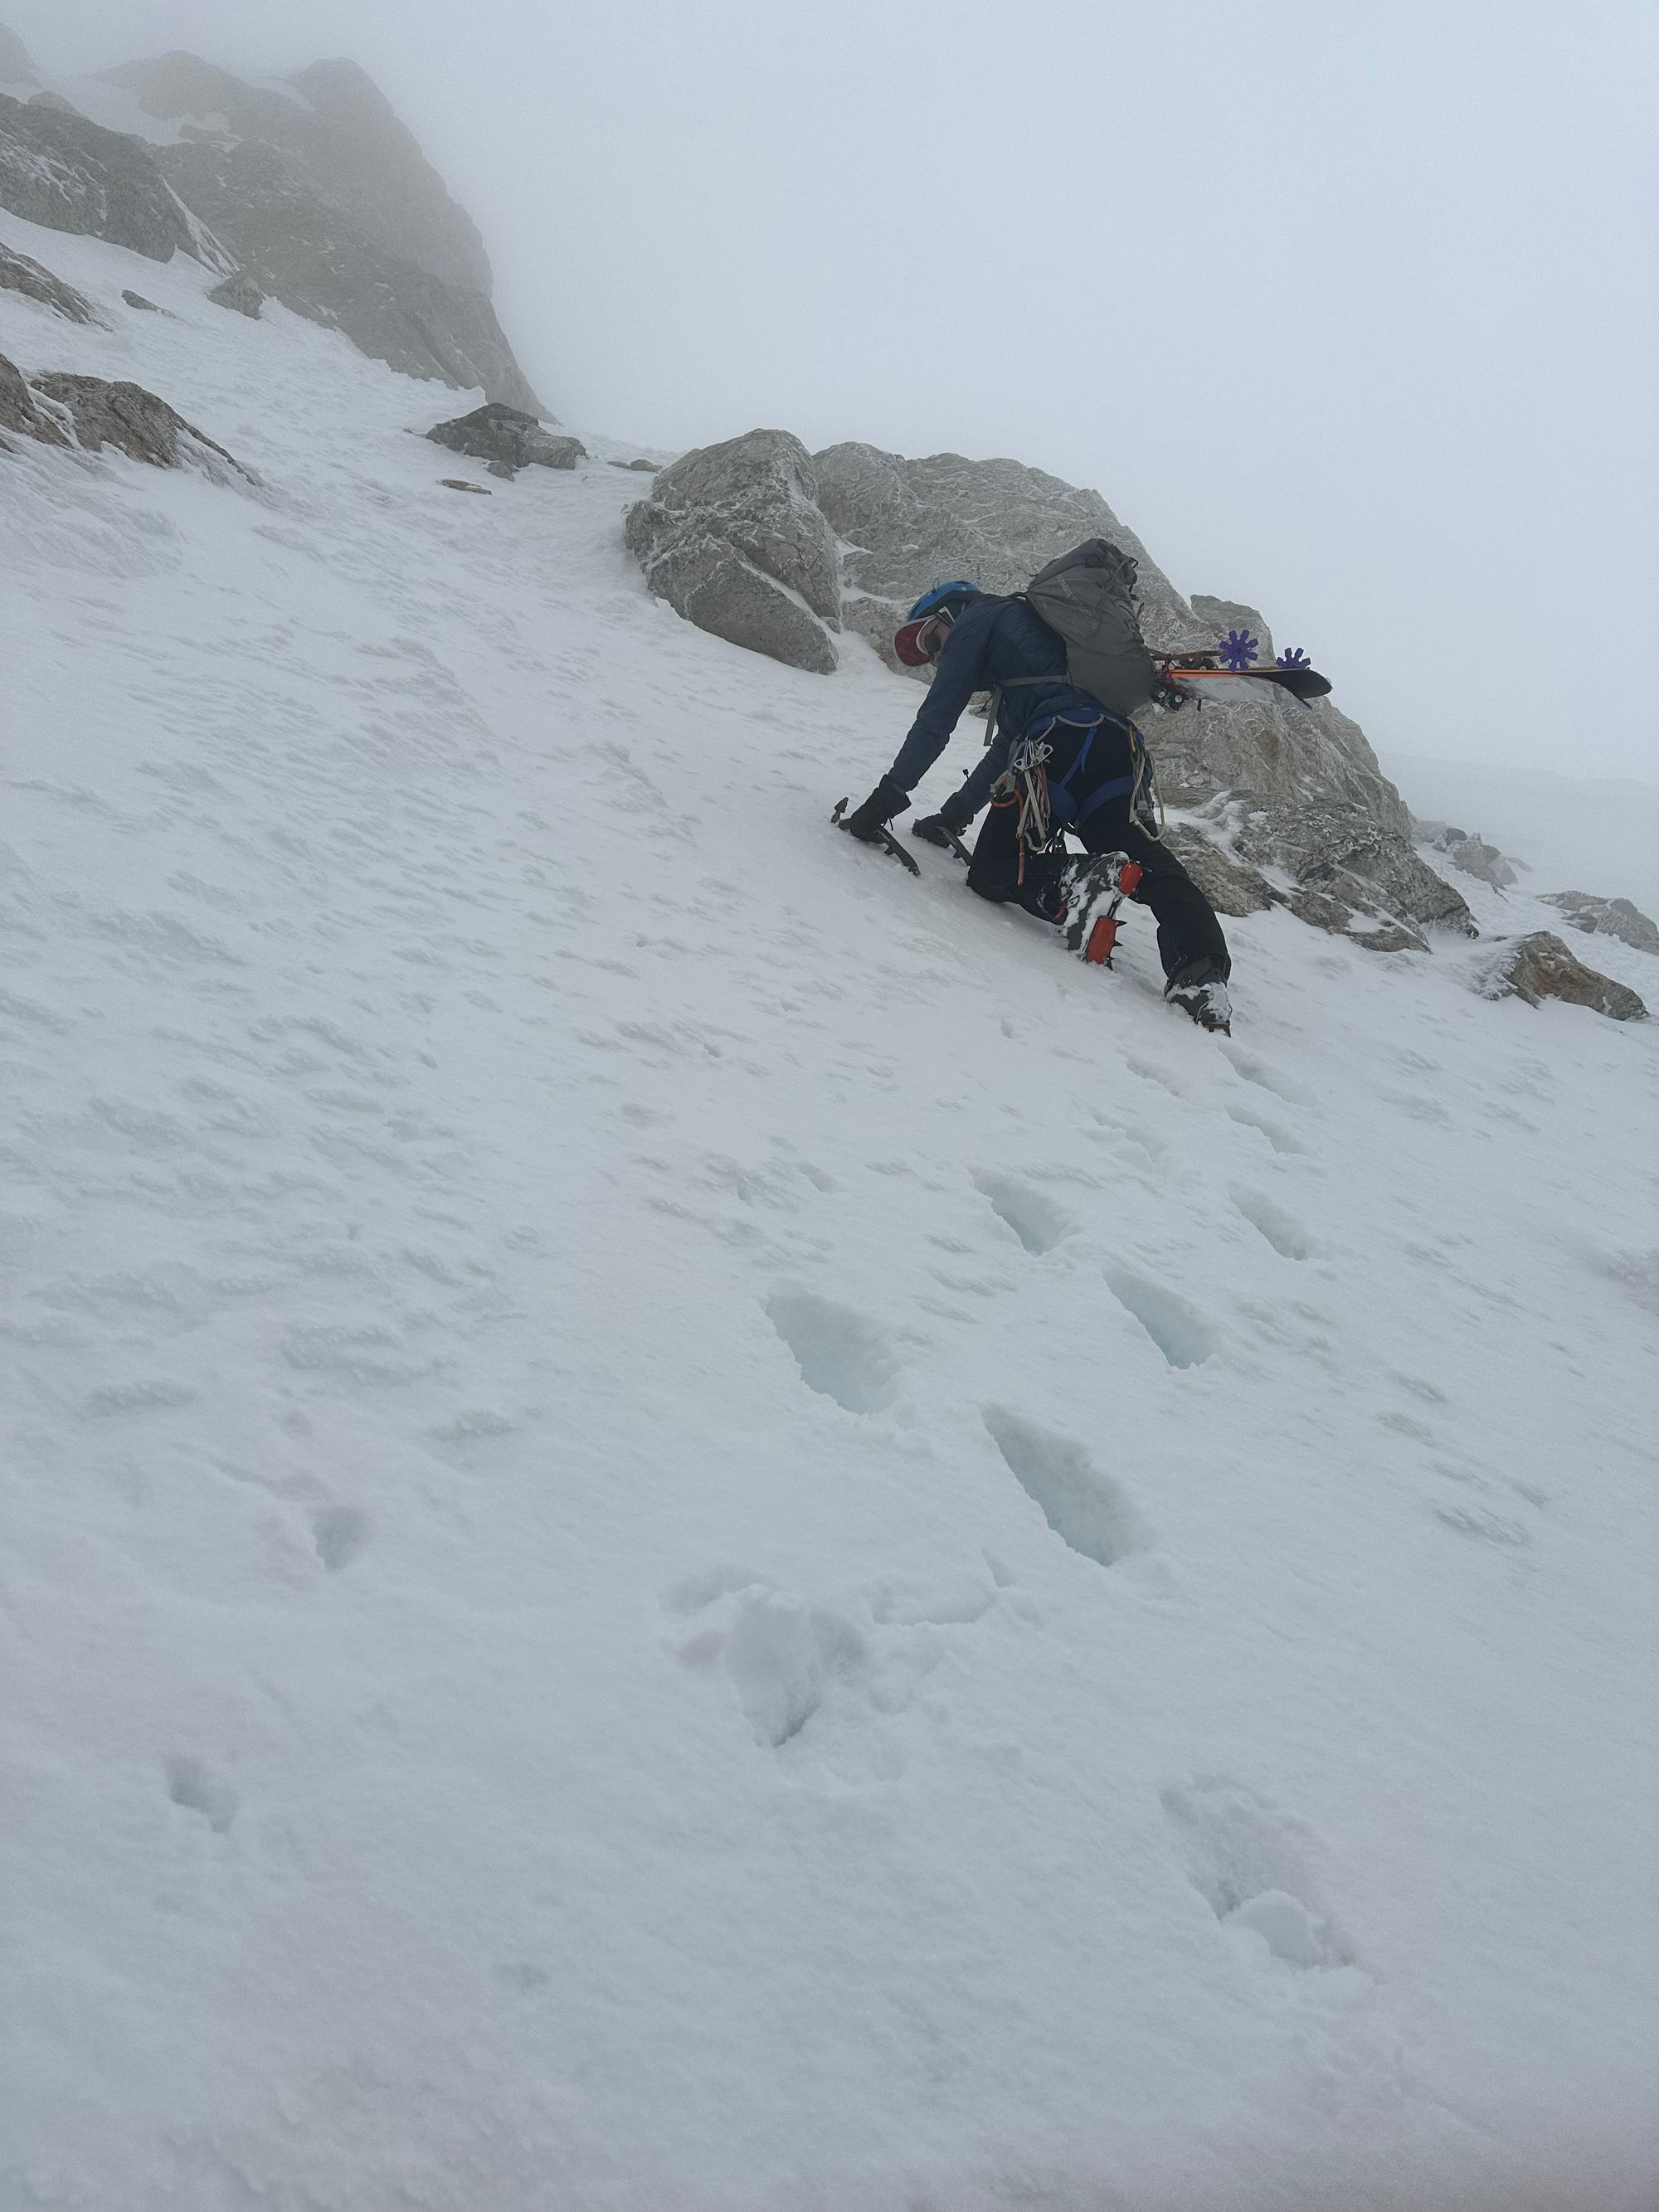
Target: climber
[{"x": 1095, "y": 772}]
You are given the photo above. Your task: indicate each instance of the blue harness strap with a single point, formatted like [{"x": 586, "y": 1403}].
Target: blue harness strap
[{"x": 1119, "y": 788}]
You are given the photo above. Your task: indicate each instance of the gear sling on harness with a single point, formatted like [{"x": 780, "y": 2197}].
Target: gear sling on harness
[{"x": 1028, "y": 779}]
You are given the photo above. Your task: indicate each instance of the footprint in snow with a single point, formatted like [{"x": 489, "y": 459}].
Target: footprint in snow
[
  {"x": 782, "y": 1656},
  {"x": 1180, "y": 1332},
  {"x": 840, "y": 1354},
  {"x": 191, "y": 1784},
  {"x": 340, "y": 1533},
  {"x": 1037, "y": 1221},
  {"x": 1280, "y": 1139},
  {"x": 1252, "y": 1867},
  {"x": 1085, "y": 1508},
  {"x": 1256, "y": 1071},
  {"x": 1286, "y": 1236}
]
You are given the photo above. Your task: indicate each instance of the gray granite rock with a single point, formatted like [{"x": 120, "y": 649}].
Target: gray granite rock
[
  {"x": 649, "y": 468},
  {"x": 18, "y": 273},
  {"x": 241, "y": 293},
  {"x": 1231, "y": 886},
  {"x": 911, "y": 524},
  {"x": 1606, "y": 917},
  {"x": 1539, "y": 967},
  {"x": 509, "y": 439},
  {"x": 1314, "y": 799},
  {"x": 460, "y": 483},
  {"x": 138, "y": 424},
  {"x": 732, "y": 537},
  {"x": 137, "y": 299},
  {"x": 328, "y": 203},
  {"x": 65, "y": 173},
  {"x": 20, "y": 411},
  {"x": 1222, "y": 615},
  {"x": 1387, "y": 937},
  {"x": 1471, "y": 855}
]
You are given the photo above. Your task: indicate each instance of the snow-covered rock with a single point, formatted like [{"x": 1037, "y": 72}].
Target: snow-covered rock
[
  {"x": 22, "y": 412},
  {"x": 1471, "y": 853},
  {"x": 1538, "y": 966},
  {"x": 66, "y": 173},
  {"x": 1606, "y": 917},
  {"x": 733, "y": 538},
  {"x": 308, "y": 189},
  {"x": 1311, "y": 799},
  {"x": 135, "y": 422},
  {"x": 509, "y": 439},
  {"x": 1222, "y": 615},
  {"x": 241, "y": 293},
  {"x": 19, "y": 272},
  {"x": 327, "y": 201}
]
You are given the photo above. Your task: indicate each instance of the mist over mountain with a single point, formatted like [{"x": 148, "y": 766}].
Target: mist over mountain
[{"x": 311, "y": 184}]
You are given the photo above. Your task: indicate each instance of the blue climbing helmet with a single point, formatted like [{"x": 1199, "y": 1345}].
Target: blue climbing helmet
[
  {"x": 921, "y": 637},
  {"x": 931, "y": 601}
]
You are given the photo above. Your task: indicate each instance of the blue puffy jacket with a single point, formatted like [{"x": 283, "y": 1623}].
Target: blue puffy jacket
[{"x": 995, "y": 640}]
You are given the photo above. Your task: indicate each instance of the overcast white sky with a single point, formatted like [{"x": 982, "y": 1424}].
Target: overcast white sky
[{"x": 1348, "y": 309}]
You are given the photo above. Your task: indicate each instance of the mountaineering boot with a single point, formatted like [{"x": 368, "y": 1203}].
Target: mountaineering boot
[
  {"x": 867, "y": 822},
  {"x": 1090, "y": 891},
  {"x": 1199, "y": 989}
]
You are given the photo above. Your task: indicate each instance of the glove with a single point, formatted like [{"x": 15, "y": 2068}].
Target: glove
[
  {"x": 868, "y": 821},
  {"x": 934, "y": 829}
]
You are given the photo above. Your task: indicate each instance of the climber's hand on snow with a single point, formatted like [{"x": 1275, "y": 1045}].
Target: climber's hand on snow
[
  {"x": 934, "y": 829},
  {"x": 868, "y": 821}
]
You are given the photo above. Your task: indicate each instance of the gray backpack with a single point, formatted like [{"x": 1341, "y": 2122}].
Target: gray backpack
[{"x": 1087, "y": 595}]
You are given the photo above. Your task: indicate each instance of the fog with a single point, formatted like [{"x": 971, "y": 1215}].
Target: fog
[{"x": 1347, "y": 311}]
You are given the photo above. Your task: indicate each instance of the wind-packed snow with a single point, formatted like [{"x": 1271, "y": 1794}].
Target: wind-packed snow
[{"x": 693, "y": 1527}]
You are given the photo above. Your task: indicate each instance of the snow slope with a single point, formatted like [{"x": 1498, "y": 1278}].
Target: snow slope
[{"x": 691, "y": 1526}]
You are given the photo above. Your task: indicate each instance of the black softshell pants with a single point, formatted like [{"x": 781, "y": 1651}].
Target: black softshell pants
[{"x": 1190, "y": 944}]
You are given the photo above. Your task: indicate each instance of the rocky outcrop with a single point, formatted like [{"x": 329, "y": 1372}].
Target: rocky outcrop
[
  {"x": 65, "y": 173},
  {"x": 1540, "y": 967},
  {"x": 733, "y": 538},
  {"x": 1313, "y": 799},
  {"x": 18, "y": 273},
  {"x": 20, "y": 412},
  {"x": 908, "y": 525},
  {"x": 1471, "y": 856},
  {"x": 137, "y": 299},
  {"x": 1303, "y": 784},
  {"x": 239, "y": 294},
  {"x": 136, "y": 423},
  {"x": 1606, "y": 917},
  {"x": 509, "y": 439},
  {"x": 1230, "y": 885},
  {"x": 1224, "y": 615},
  {"x": 327, "y": 202}
]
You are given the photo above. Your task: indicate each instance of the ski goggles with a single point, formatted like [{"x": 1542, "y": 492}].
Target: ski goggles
[{"x": 920, "y": 642}]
